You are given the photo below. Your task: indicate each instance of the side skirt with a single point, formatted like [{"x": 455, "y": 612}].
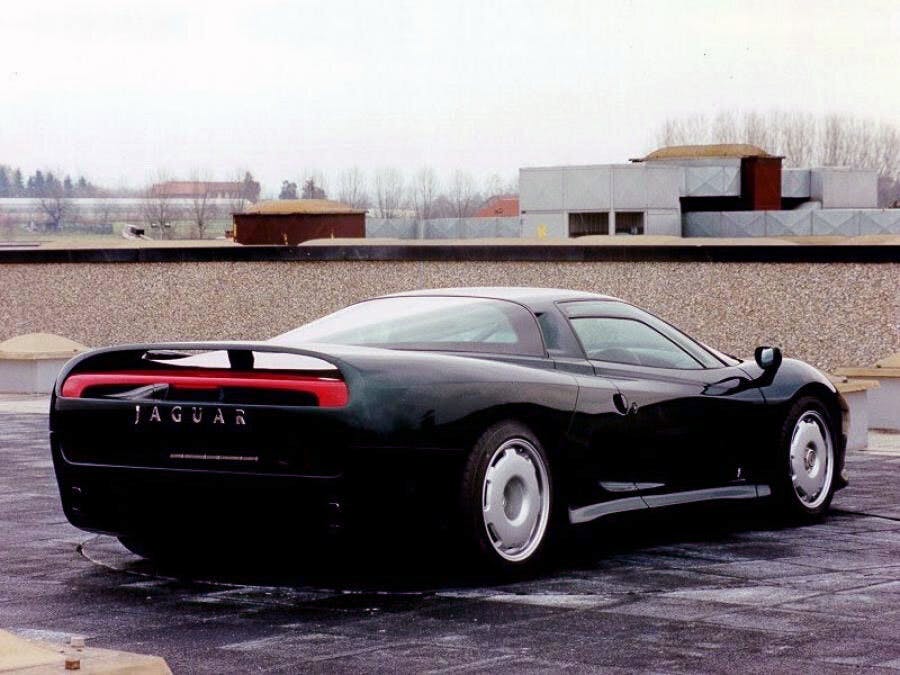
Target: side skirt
[{"x": 593, "y": 511}]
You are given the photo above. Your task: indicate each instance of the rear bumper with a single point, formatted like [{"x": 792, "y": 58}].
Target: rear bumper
[{"x": 123, "y": 501}]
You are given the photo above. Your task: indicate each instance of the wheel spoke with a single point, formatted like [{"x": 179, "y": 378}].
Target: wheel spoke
[{"x": 511, "y": 535}]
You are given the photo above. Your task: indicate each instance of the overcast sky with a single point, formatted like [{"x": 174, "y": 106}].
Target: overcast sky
[{"x": 120, "y": 90}]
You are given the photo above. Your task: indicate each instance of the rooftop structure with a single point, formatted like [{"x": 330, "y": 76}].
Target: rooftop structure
[
  {"x": 716, "y": 150},
  {"x": 730, "y": 190},
  {"x": 292, "y": 221}
]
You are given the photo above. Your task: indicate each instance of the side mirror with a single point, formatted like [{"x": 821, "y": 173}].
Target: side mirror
[{"x": 768, "y": 358}]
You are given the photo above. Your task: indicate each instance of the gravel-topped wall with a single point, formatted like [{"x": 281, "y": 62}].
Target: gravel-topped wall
[{"x": 831, "y": 314}]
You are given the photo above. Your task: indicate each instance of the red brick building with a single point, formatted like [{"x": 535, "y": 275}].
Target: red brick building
[{"x": 499, "y": 207}]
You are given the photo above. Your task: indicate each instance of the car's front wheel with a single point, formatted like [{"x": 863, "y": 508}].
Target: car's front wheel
[
  {"x": 508, "y": 498},
  {"x": 806, "y": 463}
]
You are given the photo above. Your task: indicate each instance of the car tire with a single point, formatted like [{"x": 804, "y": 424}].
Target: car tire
[
  {"x": 507, "y": 499},
  {"x": 805, "y": 468}
]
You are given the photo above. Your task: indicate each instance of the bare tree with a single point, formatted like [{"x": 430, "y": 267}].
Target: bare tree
[
  {"x": 887, "y": 144},
  {"x": 158, "y": 209},
  {"x": 443, "y": 207},
  {"x": 847, "y": 141},
  {"x": 352, "y": 189},
  {"x": 493, "y": 186},
  {"x": 202, "y": 207},
  {"x": 248, "y": 193},
  {"x": 669, "y": 133},
  {"x": 314, "y": 185},
  {"x": 758, "y": 131},
  {"x": 798, "y": 138},
  {"x": 423, "y": 191},
  {"x": 863, "y": 146},
  {"x": 55, "y": 204},
  {"x": 103, "y": 212},
  {"x": 684, "y": 131},
  {"x": 835, "y": 140},
  {"x": 803, "y": 140},
  {"x": 512, "y": 185},
  {"x": 724, "y": 128},
  {"x": 388, "y": 192},
  {"x": 462, "y": 193}
]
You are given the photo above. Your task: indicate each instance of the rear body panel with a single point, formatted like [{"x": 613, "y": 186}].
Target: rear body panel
[{"x": 409, "y": 420}]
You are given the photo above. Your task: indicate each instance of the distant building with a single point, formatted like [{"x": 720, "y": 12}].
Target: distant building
[
  {"x": 499, "y": 207},
  {"x": 289, "y": 222},
  {"x": 177, "y": 189},
  {"x": 702, "y": 190}
]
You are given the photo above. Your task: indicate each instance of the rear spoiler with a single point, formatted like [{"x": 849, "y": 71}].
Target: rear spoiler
[{"x": 240, "y": 356}]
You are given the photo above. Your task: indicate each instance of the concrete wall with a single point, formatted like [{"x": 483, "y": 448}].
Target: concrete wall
[
  {"x": 712, "y": 179},
  {"x": 844, "y": 188},
  {"x": 554, "y": 225},
  {"x": 833, "y": 187},
  {"x": 795, "y": 183},
  {"x": 667, "y": 222},
  {"x": 625, "y": 187},
  {"x": 29, "y": 376},
  {"x": 832, "y": 314},
  {"x": 443, "y": 228},
  {"x": 884, "y": 405},
  {"x": 548, "y": 195},
  {"x": 858, "y": 432},
  {"x": 799, "y": 222}
]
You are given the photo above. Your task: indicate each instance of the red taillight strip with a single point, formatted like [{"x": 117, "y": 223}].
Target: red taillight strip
[{"x": 329, "y": 392}]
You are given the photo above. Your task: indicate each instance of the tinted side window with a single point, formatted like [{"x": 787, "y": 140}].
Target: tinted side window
[
  {"x": 621, "y": 310},
  {"x": 550, "y": 331},
  {"x": 630, "y": 341}
]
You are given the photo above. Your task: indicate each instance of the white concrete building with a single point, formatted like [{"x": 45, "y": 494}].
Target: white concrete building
[{"x": 720, "y": 190}]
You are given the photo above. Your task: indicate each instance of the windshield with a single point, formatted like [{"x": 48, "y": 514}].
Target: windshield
[{"x": 431, "y": 323}]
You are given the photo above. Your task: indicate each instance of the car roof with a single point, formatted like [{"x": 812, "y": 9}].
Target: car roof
[{"x": 521, "y": 294}]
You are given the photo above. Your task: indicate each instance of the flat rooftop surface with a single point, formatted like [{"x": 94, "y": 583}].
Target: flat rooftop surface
[{"x": 702, "y": 590}]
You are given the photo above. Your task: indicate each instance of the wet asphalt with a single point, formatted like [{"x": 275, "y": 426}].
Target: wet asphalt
[{"x": 722, "y": 589}]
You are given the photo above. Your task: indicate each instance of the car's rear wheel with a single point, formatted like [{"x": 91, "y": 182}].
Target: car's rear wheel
[
  {"x": 507, "y": 498},
  {"x": 806, "y": 464}
]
